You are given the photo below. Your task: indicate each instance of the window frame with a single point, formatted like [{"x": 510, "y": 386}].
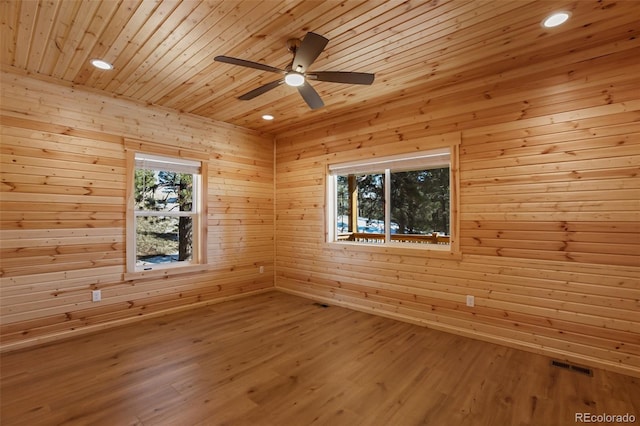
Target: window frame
[
  {"x": 166, "y": 155},
  {"x": 385, "y": 165}
]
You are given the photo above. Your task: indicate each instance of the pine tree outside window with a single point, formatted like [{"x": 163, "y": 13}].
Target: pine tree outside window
[
  {"x": 404, "y": 200},
  {"x": 166, "y": 217}
]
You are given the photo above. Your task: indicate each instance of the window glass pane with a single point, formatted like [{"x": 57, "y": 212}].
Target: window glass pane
[
  {"x": 420, "y": 206},
  {"x": 342, "y": 204},
  {"x": 360, "y": 207},
  {"x": 163, "y": 190},
  {"x": 162, "y": 239}
]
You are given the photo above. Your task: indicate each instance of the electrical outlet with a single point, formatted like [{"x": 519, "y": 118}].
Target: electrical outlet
[
  {"x": 471, "y": 301},
  {"x": 262, "y": 269},
  {"x": 96, "y": 295}
]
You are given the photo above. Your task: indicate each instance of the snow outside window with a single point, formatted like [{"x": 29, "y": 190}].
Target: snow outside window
[
  {"x": 166, "y": 214},
  {"x": 399, "y": 200}
]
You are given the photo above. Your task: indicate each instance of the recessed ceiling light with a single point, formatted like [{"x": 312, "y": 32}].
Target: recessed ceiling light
[
  {"x": 294, "y": 79},
  {"x": 555, "y": 19},
  {"x": 100, "y": 64},
  {"x": 267, "y": 117}
]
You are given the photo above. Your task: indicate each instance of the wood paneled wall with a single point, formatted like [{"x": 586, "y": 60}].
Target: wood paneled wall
[
  {"x": 549, "y": 209},
  {"x": 63, "y": 210},
  {"x": 550, "y": 201}
]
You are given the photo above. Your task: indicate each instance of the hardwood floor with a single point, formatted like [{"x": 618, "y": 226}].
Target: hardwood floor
[{"x": 277, "y": 359}]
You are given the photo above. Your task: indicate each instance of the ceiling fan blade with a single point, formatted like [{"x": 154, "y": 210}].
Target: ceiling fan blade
[
  {"x": 342, "y": 77},
  {"x": 260, "y": 90},
  {"x": 248, "y": 64},
  {"x": 311, "y": 47},
  {"x": 310, "y": 96}
]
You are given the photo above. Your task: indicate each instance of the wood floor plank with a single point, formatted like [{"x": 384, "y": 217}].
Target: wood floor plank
[{"x": 277, "y": 359}]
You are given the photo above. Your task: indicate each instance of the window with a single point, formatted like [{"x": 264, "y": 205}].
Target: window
[
  {"x": 165, "y": 221},
  {"x": 402, "y": 200}
]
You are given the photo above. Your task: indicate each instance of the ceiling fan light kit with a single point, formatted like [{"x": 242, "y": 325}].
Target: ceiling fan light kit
[
  {"x": 294, "y": 79},
  {"x": 304, "y": 52}
]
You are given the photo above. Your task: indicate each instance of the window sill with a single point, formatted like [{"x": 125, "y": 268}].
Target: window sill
[
  {"x": 438, "y": 251},
  {"x": 159, "y": 272}
]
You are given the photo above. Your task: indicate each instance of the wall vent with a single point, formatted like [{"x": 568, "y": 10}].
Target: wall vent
[{"x": 572, "y": 367}]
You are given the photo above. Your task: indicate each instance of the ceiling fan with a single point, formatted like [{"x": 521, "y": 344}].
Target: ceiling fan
[{"x": 296, "y": 73}]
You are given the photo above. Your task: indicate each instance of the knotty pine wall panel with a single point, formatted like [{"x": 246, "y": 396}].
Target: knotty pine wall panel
[
  {"x": 63, "y": 210},
  {"x": 549, "y": 210}
]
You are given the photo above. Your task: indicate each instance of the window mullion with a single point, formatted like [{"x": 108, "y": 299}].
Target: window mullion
[
  {"x": 387, "y": 205},
  {"x": 160, "y": 213}
]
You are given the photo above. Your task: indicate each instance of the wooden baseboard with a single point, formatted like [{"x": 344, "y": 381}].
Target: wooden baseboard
[
  {"x": 563, "y": 355},
  {"x": 41, "y": 340},
  {"x": 511, "y": 343}
]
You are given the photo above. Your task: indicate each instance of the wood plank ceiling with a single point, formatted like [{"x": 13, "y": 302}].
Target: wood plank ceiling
[{"x": 163, "y": 50}]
